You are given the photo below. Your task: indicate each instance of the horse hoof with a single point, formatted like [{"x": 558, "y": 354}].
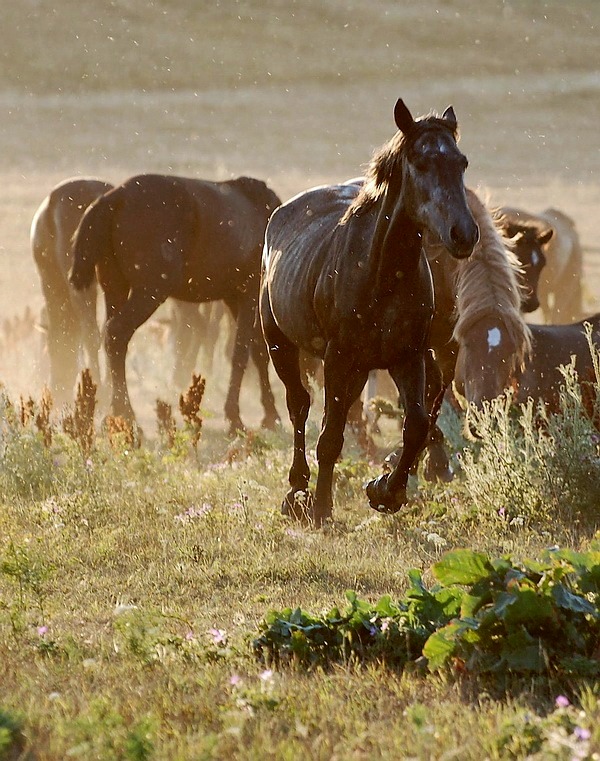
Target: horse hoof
[
  {"x": 380, "y": 499},
  {"x": 271, "y": 423},
  {"x": 298, "y": 505}
]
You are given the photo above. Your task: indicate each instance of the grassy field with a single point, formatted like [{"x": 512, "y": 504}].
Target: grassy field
[{"x": 132, "y": 581}]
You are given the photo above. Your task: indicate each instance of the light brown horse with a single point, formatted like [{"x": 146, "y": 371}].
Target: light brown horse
[
  {"x": 156, "y": 236},
  {"x": 560, "y": 287},
  {"x": 73, "y": 336}
]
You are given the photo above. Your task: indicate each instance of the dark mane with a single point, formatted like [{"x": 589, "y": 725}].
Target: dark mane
[{"x": 386, "y": 160}]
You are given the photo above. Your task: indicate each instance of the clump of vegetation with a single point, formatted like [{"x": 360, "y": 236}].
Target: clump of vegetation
[
  {"x": 481, "y": 616},
  {"x": 190, "y": 407},
  {"x": 530, "y": 465},
  {"x": 165, "y": 423},
  {"x": 80, "y": 424},
  {"x": 42, "y": 419}
]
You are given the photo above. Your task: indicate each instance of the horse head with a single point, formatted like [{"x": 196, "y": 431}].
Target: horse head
[
  {"x": 420, "y": 176},
  {"x": 486, "y": 361},
  {"x": 527, "y": 242}
]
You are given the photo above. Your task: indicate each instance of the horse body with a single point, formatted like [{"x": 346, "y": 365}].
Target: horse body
[
  {"x": 345, "y": 279},
  {"x": 552, "y": 346},
  {"x": 560, "y": 284},
  {"x": 72, "y": 320},
  {"x": 157, "y": 236}
]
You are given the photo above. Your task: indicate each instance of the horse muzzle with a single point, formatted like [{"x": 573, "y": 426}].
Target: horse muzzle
[{"x": 462, "y": 240}]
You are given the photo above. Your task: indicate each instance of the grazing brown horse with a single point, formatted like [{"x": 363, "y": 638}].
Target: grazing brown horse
[
  {"x": 552, "y": 346},
  {"x": 560, "y": 286},
  {"x": 72, "y": 321},
  {"x": 345, "y": 279},
  {"x": 155, "y": 237}
]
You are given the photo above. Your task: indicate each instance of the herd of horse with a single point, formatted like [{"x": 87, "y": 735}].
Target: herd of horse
[{"x": 404, "y": 270}]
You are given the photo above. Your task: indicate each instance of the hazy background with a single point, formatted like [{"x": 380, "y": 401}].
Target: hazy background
[{"x": 296, "y": 93}]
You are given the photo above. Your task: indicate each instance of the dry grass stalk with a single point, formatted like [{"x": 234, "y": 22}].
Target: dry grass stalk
[
  {"x": 166, "y": 424},
  {"x": 189, "y": 406},
  {"x": 42, "y": 419},
  {"x": 27, "y": 411},
  {"x": 80, "y": 425}
]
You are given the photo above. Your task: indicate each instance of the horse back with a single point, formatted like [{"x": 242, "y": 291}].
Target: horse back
[{"x": 204, "y": 237}]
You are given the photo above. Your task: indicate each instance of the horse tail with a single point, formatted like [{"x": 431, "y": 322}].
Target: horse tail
[{"x": 92, "y": 241}]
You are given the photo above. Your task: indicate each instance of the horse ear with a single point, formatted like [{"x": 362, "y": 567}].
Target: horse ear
[
  {"x": 546, "y": 236},
  {"x": 450, "y": 117},
  {"x": 403, "y": 117}
]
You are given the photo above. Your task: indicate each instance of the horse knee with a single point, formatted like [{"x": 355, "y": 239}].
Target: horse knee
[{"x": 329, "y": 446}]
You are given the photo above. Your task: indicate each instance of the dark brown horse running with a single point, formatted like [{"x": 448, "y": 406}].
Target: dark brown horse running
[
  {"x": 72, "y": 320},
  {"x": 345, "y": 278},
  {"x": 155, "y": 237}
]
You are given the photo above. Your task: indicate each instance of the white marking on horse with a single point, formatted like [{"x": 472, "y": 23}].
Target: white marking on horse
[{"x": 494, "y": 337}]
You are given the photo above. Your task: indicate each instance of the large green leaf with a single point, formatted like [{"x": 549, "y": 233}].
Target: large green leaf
[
  {"x": 463, "y": 567},
  {"x": 566, "y": 599}
]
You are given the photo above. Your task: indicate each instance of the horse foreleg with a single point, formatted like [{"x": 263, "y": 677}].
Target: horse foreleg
[
  {"x": 343, "y": 385},
  {"x": 387, "y": 493}
]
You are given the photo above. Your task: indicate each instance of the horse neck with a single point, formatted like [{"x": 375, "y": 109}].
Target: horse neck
[{"x": 396, "y": 244}]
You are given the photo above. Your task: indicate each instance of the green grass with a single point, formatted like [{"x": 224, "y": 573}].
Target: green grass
[
  {"x": 132, "y": 585},
  {"x": 115, "y": 579}
]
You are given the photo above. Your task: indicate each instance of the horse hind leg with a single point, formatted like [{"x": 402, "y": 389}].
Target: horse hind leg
[
  {"x": 387, "y": 493},
  {"x": 343, "y": 385},
  {"x": 260, "y": 357},
  {"x": 286, "y": 361},
  {"x": 125, "y": 320}
]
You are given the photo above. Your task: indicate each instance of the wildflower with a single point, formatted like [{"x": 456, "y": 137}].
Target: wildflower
[
  {"x": 235, "y": 680},
  {"x": 581, "y": 733},
  {"x": 218, "y": 635},
  {"x": 502, "y": 512},
  {"x": 42, "y": 630},
  {"x": 266, "y": 675},
  {"x": 562, "y": 701},
  {"x": 190, "y": 636},
  {"x": 385, "y": 624}
]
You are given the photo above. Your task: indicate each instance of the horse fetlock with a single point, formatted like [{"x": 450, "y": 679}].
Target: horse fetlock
[{"x": 381, "y": 498}]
